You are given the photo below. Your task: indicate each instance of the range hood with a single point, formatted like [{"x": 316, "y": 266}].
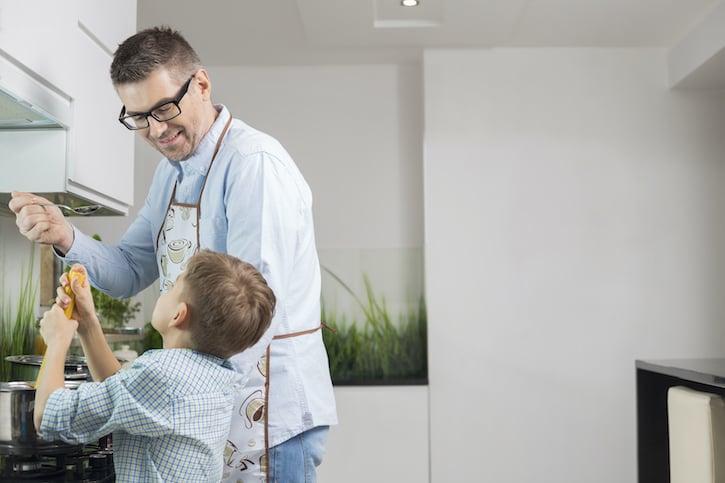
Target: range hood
[
  {"x": 18, "y": 114},
  {"x": 37, "y": 142}
]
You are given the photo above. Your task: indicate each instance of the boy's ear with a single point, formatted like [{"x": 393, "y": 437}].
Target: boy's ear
[{"x": 181, "y": 317}]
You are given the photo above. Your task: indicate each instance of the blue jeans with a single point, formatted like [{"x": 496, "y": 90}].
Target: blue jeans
[{"x": 296, "y": 460}]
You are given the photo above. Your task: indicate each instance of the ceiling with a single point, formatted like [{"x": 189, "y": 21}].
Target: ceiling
[{"x": 248, "y": 32}]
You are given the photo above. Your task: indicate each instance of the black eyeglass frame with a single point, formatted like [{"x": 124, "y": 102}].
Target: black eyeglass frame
[{"x": 122, "y": 116}]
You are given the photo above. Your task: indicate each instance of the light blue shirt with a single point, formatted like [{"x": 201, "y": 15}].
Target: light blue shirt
[
  {"x": 257, "y": 206},
  {"x": 169, "y": 414}
]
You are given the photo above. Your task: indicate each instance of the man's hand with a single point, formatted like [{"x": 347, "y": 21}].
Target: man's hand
[{"x": 42, "y": 224}]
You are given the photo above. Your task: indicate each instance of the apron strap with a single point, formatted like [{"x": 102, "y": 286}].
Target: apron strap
[
  {"x": 266, "y": 384},
  {"x": 213, "y": 157},
  {"x": 303, "y": 332},
  {"x": 266, "y": 417}
]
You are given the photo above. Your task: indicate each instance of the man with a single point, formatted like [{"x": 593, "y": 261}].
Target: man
[{"x": 225, "y": 186}]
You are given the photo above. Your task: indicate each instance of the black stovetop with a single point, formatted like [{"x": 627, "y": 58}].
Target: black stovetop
[{"x": 56, "y": 462}]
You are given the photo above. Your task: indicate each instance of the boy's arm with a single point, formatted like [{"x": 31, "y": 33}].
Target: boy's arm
[
  {"x": 57, "y": 331},
  {"x": 101, "y": 360}
]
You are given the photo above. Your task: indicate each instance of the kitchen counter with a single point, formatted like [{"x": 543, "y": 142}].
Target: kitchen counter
[
  {"x": 654, "y": 378},
  {"x": 703, "y": 371}
]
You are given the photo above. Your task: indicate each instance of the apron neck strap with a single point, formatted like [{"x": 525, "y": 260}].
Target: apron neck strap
[
  {"x": 221, "y": 137},
  {"x": 213, "y": 156}
]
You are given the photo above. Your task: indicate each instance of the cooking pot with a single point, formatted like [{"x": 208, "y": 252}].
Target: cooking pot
[
  {"x": 17, "y": 401},
  {"x": 26, "y": 368},
  {"x": 17, "y": 404}
]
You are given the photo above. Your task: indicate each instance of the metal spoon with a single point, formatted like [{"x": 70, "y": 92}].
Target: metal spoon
[{"x": 78, "y": 210}]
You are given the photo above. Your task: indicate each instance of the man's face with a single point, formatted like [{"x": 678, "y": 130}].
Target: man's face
[{"x": 177, "y": 138}]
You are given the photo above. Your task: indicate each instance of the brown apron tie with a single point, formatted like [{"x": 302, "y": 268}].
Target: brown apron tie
[{"x": 266, "y": 384}]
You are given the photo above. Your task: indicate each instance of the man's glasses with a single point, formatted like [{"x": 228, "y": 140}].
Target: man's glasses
[{"x": 165, "y": 112}]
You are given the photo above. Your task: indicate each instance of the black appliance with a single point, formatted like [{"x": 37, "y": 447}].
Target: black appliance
[{"x": 54, "y": 462}]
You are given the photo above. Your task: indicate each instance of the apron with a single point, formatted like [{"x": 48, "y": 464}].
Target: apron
[
  {"x": 178, "y": 237},
  {"x": 247, "y": 450}
]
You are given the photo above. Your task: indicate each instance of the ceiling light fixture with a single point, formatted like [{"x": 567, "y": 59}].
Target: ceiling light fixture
[{"x": 409, "y": 3}]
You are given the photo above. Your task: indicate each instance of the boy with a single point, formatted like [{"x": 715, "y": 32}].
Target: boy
[{"x": 170, "y": 411}]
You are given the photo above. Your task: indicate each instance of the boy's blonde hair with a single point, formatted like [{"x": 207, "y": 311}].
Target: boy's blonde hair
[{"x": 230, "y": 302}]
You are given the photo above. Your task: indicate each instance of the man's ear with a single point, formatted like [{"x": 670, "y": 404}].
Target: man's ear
[
  {"x": 181, "y": 317},
  {"x": 204, "y": 83}
]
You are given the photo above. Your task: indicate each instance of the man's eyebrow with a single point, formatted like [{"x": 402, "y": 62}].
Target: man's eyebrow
[{"x": 156, "y": 106}]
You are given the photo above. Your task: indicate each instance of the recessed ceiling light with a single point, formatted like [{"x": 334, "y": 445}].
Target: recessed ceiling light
[{"x": 409, "y": 3}]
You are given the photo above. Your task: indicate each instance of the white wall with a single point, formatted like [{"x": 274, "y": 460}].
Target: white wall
[
  {"x": 382, "y": 436},
  {"x": 573, "y": 223}
]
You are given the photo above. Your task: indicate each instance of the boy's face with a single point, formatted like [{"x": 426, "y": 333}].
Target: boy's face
[{"x": 167, "y": 306}]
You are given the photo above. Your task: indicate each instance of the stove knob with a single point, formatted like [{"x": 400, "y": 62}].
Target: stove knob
[{"x": 97, "y": 461}]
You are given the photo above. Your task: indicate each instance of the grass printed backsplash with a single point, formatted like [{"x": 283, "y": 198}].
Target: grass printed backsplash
[
  {"x": 17, "y": 317},
  {"x": 380, "y": 349}
]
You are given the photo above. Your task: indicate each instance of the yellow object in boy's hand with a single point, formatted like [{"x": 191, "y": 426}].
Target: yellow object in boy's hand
[
  {"x": 68, "y": 311},
  {"x": 68, "y": 290}
]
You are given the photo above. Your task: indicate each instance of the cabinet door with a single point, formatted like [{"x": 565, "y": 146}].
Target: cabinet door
[
  {"x": 101, "y": 150},
  {"x": 32, "y": 34}
]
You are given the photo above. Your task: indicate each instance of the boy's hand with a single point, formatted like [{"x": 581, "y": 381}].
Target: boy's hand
[
  {"x": 83, "y": 311},
  {"x": 56, "y": 329}
]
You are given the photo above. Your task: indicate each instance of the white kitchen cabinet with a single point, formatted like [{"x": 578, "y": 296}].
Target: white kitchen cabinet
[
  {"x": 103, "y": 148},
  {"x": 110, "y": 23},
  {"x": 61, "y": 53},
  {"x": 34, "y": 34}
]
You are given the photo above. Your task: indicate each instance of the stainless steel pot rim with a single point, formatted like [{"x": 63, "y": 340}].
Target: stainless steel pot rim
[
  {"x": 17, "y": 386},
  {"x": 37, "y": 360},
  {"x": 30, "y": 385},
  {"x": 73, "y": 383}
]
